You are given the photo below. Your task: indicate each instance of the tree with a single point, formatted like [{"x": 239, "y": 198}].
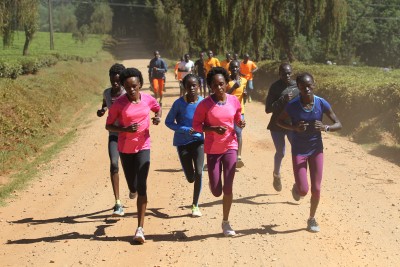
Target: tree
[
  {"x": 30, "y": 21},
  {"x": 101, "y": 19}
]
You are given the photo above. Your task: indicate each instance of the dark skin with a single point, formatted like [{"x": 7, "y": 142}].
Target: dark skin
[
  {"x": 115, "y": 91},
  {"x": 218, "y": 86},
  {"x": 132, "y": 87},
  {"x": 285, "y": 74},
  {"x": 192, "y": 91},
  {"x": 306, "y": 88},
  {"x": 234, "y": 69}
]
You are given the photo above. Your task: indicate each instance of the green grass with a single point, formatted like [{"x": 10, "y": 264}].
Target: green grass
[{"x": 63, "y": 44}]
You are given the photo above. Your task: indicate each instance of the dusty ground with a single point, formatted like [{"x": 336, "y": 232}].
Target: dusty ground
[{"x": 63, "y": 218}]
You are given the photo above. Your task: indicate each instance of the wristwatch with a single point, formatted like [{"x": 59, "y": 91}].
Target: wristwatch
[{"x": 327, "y": 128}]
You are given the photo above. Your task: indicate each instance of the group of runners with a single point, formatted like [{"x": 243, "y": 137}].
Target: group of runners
[{"x": 211, "y": 123}]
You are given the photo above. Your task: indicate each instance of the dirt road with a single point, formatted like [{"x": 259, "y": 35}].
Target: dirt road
[{"x": 63, "y": 218}]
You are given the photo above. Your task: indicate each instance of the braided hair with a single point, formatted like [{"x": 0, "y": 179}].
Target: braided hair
[{"x": 188, "y": 76}]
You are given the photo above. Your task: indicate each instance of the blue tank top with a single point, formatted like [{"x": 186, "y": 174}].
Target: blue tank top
[{"x": 310, "y": 141}]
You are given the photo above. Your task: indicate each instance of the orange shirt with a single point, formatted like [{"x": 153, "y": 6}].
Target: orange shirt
[
  {"x": 177, "y": 73},
  {"x": 225, "y": 65},
  {"x": 246, "y": 69},
  {"x": 238, "y": 92},
  {"x": 211, "y": 63}
]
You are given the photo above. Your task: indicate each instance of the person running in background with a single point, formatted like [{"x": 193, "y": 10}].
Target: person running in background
[
  {"x": 225, "y": 63},
  {"x": 132, "y": 111},
  {"x": 216, "y": 116},
  {"x": 235, "y": 56},
  {"x": 306, "y": 112},
  {"x": 185, "y": 67},
  {"x": 237, "y": 87},
  {"x": 109, "y": 97},
  {"x": 177, "y": 74},
  {"x": 279, "y": 94},
  {"x": 211, "y": 62},
  {"x": 200, "y": 71},
  {"x": 157, "y": 70},
  {"x": 247, "y": 68},
  {"x": 190, "y": 144}
]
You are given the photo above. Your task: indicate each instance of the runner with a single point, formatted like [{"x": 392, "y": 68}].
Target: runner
[
  {"x": 225, "y": 63},
  {"x": 157, "y": 70},
  {"x": 237, "y": 87},
  {"x": 185, "y": 67},
  {"x": 247, "y": 68},
  {"x": 201, "y": 72},
  {"x": 306, "y": 112},
  {"x": 133, "y": 114},
  {"x": 216, "y": 116},
  {"x": 211, "y": 62},
  {"x": 109, "y": 96},
  {"x": 190, "y": 144},
  {"x": 279, "y": 94}
]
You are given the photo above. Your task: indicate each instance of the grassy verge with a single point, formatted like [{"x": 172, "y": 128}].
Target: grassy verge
[{"x": 39, "y": 113}]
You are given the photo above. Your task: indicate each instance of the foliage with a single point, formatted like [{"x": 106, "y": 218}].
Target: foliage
[
  {"x": 82, "y": 34},
  {"x": 101, "y": 19}
]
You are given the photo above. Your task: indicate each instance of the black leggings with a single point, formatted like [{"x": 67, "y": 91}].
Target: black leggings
[
  {"x": 136, "y": 169},
  {"x": 192, "y": 160}
]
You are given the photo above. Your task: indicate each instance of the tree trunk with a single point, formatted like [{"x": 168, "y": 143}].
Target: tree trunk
[{"x": 28, "y": 38}]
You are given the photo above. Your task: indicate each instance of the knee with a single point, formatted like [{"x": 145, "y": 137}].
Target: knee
[
  {"x": 217, "y": 192},
  {"x": 114, "y": 168},
  {"x": 316, "y": 193},
  {"x": 302, "y": 190}
]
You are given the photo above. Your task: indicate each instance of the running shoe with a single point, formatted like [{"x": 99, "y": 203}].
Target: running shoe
[
  {"x": 277, "y": 182},
  {"x": 132, "y": 195},
  {"x": 205, "y": 167},
  {"x": 196, "y": 211},
  {"x": 295, "y": 195},
  {"x": 312, "y": 225},
  {"x": 227, "y": 229},
  {"x": 139, "y": 235},
  {"x": 118, "y": 211},
  {"x": 250, "y": 99},
  {"x": 239, "y": 163}
]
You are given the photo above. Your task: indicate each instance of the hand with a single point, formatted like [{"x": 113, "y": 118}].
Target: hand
[
  {"x": 245, "y": 93},
  {"x": 156, "y": 120},
  {"x": 288, "y": 96},
  {"x": 241, "y": 123},
  {"x": 100, "y": 112},
  {"x": 319, "y": 126},
  {"x": 301, "y": 127},
  {"x": 132, "y": 128},
  {"x": 219, "y": 129},
  {"x": 191, "y": 131}
]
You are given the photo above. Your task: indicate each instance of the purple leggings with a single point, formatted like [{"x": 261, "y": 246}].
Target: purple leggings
[
  {"x": 316, "y": 163},
  {"x": 217, "y": 162}
]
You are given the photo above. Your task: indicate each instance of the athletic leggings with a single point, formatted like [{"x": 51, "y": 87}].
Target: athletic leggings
[
  {"x": 192, "y": 160},
  {"x": 217, "y": 162},
  {"x": 113, "y": 153},
  {"x": 316, "y": 162},
  {"x": 278, "y": 137},
  {"x": 136, "y": 169},
  {"x": 158, "y": 86}
]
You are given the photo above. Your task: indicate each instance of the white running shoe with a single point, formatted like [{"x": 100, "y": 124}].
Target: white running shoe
[
  {"x": 227, "y": 229},
  {"x": 139, "y": 235},
  {"x": 196, "y": 211}
]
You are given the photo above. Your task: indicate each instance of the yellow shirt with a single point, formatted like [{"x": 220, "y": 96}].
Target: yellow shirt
[
  {"x": 238, "y": 92},
  {"x": 211, "y": 63}
]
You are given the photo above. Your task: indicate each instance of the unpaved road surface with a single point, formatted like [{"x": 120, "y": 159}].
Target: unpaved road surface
[{"x": 63, "y": 217}]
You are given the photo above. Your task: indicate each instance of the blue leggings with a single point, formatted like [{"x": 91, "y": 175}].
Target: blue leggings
[
  {"x": 278, "y": 138},
  {"x": 136, "y": 169},
  {"x": 217, "y": 162},
  {"x": 191, "y": 157}
]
